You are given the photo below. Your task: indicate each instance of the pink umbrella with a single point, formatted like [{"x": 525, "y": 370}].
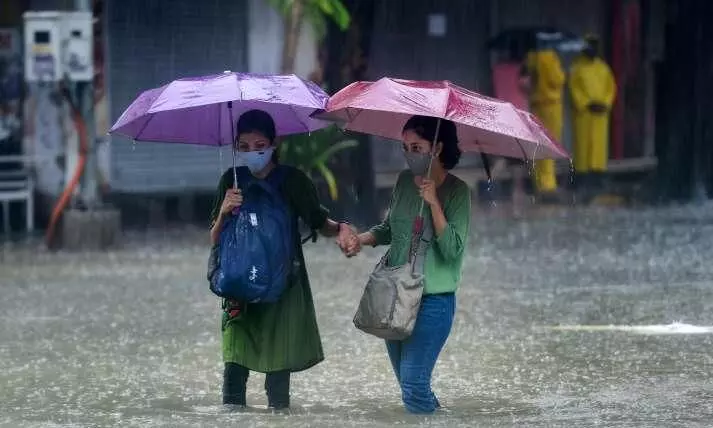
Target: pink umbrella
[{"x": 485, "y": 125}]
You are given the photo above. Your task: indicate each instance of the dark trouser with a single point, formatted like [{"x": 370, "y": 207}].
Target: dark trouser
[
  {"x": 235, "y": 379},
  {"x": 413, "y": 359}
]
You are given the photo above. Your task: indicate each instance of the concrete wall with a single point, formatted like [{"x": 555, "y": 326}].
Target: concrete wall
[
  {"x": 403, "y": 46},
  {"x": 150, "y": 45},
  {"x": 265, "y": 41}
]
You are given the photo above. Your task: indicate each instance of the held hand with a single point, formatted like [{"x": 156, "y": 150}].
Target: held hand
[
  {"x": 348, "y": 241},
  {"x": 428, "y": 192},
  {"x": 233, "y": 199},
  {"x": 353, "y": 246}
]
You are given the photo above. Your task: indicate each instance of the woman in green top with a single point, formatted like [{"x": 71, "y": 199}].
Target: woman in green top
[
  {"x": 276, "y": 338},
  {"x": 447, "y": 199}
]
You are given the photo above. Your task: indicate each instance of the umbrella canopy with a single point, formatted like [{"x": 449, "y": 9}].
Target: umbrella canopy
[
  {"x": 202, "y": 110},
  {"x": 485, "y": 125}
]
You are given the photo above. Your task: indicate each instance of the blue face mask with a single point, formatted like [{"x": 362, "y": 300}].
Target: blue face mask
[{"x": 256, "y": 161}]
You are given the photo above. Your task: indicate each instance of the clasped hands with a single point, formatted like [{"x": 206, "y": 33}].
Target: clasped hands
[{"x": 348, "y": 240}]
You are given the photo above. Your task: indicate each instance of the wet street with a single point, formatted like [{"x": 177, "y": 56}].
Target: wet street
[{"x": 566, "y": 318}]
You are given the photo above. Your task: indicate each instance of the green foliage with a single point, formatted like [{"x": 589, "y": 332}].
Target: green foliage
[
  {"x": 312, "y": 153},
  {"x": 317, "y": 12}
]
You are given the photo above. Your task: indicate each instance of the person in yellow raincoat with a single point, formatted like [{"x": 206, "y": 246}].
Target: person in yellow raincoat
[
  {"x": 547, "y": 83},
  {"x": 593, "y": 89}
]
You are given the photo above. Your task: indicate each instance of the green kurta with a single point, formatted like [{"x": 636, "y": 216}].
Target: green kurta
[
  {"x": 283, "y": 335},
  {"x": 444, "y": 259}
]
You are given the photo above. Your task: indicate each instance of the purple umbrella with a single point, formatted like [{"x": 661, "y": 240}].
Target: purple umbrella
[{"x": 203, "y": 110}]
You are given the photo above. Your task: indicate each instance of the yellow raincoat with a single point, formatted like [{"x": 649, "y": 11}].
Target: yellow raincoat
[
  {"x": 591, "y": 81},
  {"x": 546, "y": 103}
]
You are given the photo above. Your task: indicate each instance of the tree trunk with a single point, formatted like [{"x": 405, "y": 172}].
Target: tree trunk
[{"x": 292, "y": 26}]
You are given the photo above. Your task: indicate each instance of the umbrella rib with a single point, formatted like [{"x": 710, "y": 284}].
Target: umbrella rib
[
  {"x": 298, "y": 118},
  {"x": 448, "y": 99},
  {"x": 220, "y": 131},
  {"x": 359, "y": 111},
  {"x": 524, "y": 152},
  {"x": 143, "y": 128}
]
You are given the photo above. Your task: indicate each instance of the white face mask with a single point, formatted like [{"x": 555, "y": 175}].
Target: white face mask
[{"x": 256, "y": 161}]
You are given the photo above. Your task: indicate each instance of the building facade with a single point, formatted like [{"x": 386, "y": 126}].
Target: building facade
[{"x": 406, "y": 43}]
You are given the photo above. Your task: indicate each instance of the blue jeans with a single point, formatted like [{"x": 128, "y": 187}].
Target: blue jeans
[{"x": 413, "y": 359}]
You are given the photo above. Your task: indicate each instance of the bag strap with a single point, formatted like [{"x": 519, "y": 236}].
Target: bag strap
[
  {"x": 427, "y": 234},
  {"x": 271, "y": 186}
]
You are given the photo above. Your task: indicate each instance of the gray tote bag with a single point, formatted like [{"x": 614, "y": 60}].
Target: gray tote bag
[
  {"x": 392, "y": 298},
  {"x": 389, "y": 306}
]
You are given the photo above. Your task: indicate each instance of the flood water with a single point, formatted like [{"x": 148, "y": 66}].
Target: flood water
[{"x": 565, "y": 318}]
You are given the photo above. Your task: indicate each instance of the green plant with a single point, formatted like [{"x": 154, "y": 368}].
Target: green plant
[
  {"x": 317, "y": 13},
  {"x": 312, "y": 153}
]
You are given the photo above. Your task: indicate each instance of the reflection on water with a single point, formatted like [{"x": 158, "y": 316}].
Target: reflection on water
[
  {"x": 130, "y": 338},
  {"x": 673, "y": 328}
]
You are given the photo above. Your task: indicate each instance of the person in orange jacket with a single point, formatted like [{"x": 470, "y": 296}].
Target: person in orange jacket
[
  {"x": 593, "y": 90},
  {"x": 547, "y": 80}
]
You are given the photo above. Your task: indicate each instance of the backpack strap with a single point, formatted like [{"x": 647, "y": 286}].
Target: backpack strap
[
  {"x": 274, "y": 187},
  {"x": 280, "y": 172},
  {"x": 271, "y": 186}
]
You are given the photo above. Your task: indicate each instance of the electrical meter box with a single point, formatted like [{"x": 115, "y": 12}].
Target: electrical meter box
[
  {"x": 77, "y": 38},
  {"x": 58, "y": 45},
  {"x": 42, "y": 46}
]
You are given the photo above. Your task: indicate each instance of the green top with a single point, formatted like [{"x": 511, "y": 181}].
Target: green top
[
  {"x": 269, "y": 337},
  {"x": 444, "y": 258}
]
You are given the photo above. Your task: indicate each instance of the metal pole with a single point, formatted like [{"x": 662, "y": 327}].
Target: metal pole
[
  {"x": 85, "y": 102},
  {"x": 430, "y": 163},
  {"x": 232, "y": 144}
]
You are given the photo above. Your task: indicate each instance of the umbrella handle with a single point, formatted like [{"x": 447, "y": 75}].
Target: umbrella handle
[
  {"x": 232, "y": 145},
  {"x": 430, "y": 163}
]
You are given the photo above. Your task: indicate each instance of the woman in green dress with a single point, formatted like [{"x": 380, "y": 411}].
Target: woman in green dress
[{"x": 273, "y": 338}]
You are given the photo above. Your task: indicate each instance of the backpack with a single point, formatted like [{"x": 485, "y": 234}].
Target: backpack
[{"x": 255, "y": 253}]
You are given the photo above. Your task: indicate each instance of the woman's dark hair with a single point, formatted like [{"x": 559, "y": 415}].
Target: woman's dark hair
[
  {"x": 257, "y": 121},
  {"x": 425, "y": 127}
]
